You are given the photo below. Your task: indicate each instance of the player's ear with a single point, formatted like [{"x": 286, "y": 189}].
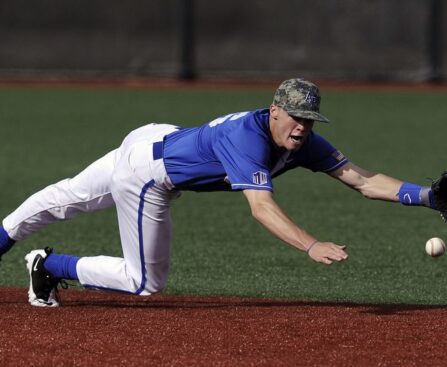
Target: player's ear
[{"x": 274, "y": 111}]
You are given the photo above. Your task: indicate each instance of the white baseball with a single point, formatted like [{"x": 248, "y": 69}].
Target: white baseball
[{"x": 435, "y": 247}]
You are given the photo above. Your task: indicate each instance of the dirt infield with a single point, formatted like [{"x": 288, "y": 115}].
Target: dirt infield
[{"x": 98, "y": 329}]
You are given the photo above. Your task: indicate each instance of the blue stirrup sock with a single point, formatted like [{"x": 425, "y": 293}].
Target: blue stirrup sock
[
  {"x": 6, "y": 242},
  {"x": 415, "y": 195},
  {"x": 62, "y": 266}
]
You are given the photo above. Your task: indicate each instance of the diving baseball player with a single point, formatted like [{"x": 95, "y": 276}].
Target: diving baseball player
[{"x": 241, "y": 151}]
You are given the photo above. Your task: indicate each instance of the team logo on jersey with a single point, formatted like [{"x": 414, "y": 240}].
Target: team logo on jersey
[{"x": 260, "y": 178}]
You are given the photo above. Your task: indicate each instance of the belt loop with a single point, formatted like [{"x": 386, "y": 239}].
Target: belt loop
[{"x": 157, "y": 150}]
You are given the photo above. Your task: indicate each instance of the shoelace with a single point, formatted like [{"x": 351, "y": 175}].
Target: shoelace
[{"x": 64, "y": 285}]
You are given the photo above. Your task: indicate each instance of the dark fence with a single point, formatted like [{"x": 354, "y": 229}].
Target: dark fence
[{"x": 249, "y": 39}]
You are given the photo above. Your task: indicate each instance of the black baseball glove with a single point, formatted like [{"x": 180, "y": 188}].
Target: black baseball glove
[{"x": 439, "y": 189}]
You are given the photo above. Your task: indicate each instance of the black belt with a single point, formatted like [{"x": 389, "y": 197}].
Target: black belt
[{"x": 157, "y": 150}]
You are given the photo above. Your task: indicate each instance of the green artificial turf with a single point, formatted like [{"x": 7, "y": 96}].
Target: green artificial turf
[{"x": 218, "y": 249}]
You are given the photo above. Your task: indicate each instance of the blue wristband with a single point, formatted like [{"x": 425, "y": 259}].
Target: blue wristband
[
  {"x": 409, "y": 194},
  {"x": 415, "y": 195}
]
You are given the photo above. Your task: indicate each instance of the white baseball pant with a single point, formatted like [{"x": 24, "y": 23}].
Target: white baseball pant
[{"x": 135, "y": 181}]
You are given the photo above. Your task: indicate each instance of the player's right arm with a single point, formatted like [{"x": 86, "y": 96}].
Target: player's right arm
[{"x": 266, "y": 211}]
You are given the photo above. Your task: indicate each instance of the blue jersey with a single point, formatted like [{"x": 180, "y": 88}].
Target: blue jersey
[{"x": 237, "y": 152}]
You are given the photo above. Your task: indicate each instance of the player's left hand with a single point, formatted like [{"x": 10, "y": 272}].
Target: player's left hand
[{"x": 327, "y": 253}]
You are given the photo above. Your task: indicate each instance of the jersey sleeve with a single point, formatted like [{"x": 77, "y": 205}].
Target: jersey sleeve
[
  {"x": 323, "y": 156},
  {"x": 244, "y": 157}
]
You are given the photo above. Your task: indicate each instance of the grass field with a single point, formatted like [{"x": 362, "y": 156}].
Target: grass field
[{"x": 218, "y": 249}]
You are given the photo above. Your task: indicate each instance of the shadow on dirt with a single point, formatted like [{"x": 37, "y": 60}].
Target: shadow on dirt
[{"x": 92, "y": 298}]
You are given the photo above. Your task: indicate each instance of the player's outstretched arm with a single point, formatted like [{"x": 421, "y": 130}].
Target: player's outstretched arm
[
  {"x": 272, "y": 217},
  {"x": 382, "y": 187},
  {"x": 372, "y": 185}
]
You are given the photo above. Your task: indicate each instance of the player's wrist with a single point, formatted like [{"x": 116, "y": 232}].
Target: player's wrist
[
  {"x": 415, "y": 195},
  {"x": 309, "y": 247}
]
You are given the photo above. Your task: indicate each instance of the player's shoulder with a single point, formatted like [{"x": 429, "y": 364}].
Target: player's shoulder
[
  {"x": 260, "y": 115},
  {"x": 254, "y": 129},
  {"x": 246, "y": 131},
  {"x": 255, "y": 121},
  {"x": 317, "y": 146},
  {"x": 314, "y": 139},
  {"x": 241, "y": 122},
  {"x": 314, "y": 145}
]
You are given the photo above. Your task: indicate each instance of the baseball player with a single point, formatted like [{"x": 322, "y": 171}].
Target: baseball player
[{"x": 241, "y": 151}]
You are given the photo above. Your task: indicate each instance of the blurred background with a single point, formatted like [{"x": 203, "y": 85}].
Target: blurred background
[{"x": 363, "y": 40}]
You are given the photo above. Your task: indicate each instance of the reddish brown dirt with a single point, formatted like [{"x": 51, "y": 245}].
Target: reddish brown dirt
[{"x": 97, "y": 328}]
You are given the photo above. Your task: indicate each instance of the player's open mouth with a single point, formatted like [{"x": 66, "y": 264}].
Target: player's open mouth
[{"x": 296, "y": 138}]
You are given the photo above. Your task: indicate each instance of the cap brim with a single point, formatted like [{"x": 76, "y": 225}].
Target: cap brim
[{"x": 309, "y": 115}]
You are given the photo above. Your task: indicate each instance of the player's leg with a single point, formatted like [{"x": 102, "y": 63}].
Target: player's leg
[
  {"x": 86, "y": 192},
  {"x": 140, "y": 188},
  {"x": 145, "y": 236},
  {"x": 143, "y": 208},
  {"x": 6, "y": 242}
]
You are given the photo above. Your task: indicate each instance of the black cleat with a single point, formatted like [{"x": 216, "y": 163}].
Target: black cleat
[{"x": 43, "y": 286}]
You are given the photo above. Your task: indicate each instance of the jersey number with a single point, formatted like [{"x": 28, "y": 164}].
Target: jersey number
[{"x": 230, "y": 117}]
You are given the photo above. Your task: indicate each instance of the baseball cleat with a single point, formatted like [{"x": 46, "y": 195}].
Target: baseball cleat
[{"x": 43, "y": 286}]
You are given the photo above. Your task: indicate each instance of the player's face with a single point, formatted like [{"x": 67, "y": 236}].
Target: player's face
[{"x": 288, "y": 132}]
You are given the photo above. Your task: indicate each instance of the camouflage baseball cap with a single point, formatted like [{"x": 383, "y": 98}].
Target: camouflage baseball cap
[{"x": 299, "y": 98}]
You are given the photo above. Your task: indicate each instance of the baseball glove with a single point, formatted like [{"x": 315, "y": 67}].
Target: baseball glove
[{"x": 439, "y": 190}]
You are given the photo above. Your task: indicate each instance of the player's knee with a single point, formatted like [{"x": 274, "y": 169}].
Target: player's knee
[
  {"x": 61, "y": 200},
  {"x": 150, "y": 288},
  {"x": 157, "y": 277},
  {"x": 154, "y": 281}
]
